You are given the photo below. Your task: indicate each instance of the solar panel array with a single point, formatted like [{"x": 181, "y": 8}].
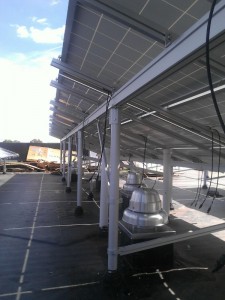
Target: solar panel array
[{"x": 109, "y": 45}]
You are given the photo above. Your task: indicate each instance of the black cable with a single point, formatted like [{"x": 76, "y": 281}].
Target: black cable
[
  {"x": 212, "y": 166},
  {"x": 104, "y": 135},
  {"x": 198, "y": 190},
  {"x": 219, "y": 264},
  {"x": 218, "y": 171},
  {"x": 145, "y": 146},
  {"x": 155, "y": 178},
  {"x": 209, "y": 68}
]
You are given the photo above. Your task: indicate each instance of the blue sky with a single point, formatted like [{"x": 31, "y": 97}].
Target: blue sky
[{"x": 31, "y": 34}]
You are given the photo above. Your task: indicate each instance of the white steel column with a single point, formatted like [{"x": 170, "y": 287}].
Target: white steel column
[
  {"x": 79, "y": 210},
  {"x": 68, "y": 181},
  {"x": 205, "y": 179},
  {"x": 167, "y": 180},
  {"x": 4, "y": 167},
  {"x": 114, "y": 190},
  {"x": 64, "y": 161},
  {"x": 104, "y": 194},
  {"x": 171, "y": 184},
  {"x": 104, "y": 191},
  {"x": 60, "y": 157}
]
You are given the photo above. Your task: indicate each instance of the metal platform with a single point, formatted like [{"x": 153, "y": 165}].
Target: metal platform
[{"x": 136, "y": 233}]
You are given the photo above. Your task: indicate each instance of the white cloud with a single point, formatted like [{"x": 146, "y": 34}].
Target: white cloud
[
  {"x": 25, "y": 96},
  {"x": 34, "y": 19},
  {"x": 47, "y": 35},
  {"x": 54, "y": 2},
  {"x": 22, "y": 32},
  {"x": 43, "y": 36},
  {"x": 42, "y": 21}
]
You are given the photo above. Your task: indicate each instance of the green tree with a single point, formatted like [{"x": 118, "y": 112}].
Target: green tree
[
  {"x": 10, "y": 141},
  {"x": 35, "y": 141}
]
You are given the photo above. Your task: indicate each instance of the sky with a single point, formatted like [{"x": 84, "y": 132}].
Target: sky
[{"x": 31, "y": 35}]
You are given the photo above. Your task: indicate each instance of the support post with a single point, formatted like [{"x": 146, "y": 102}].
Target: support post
[
  {"x": 114, "y": 191},
  {"x": 171, "y": 184},
  {"x": 167, "y": 180},
  {"x": 104, "y": 195},
  {"x": 68, "y": 181},
  {"x": 205, "y": 179},
  {"x": 60, "y": 158},
  {"x": 104, "y": 191},
  {"x": 4, "y": 167},
  {"x": 64, "y": 161},
  {"x": 79, "y": 209}
]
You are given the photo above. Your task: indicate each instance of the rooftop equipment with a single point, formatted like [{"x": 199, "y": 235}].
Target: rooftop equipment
[
  {"x": 133, "y": 182},
  {"x": 145, "y": 209},
  {"x": 142, "y": 215}
]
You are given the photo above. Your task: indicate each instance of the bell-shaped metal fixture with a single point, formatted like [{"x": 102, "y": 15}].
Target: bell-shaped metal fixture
[
  {"x": 145, "y": 209},
  {"x": 133, "y": 181}
]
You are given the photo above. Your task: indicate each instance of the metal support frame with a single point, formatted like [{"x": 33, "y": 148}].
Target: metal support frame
[
  {"x": 167, "y": 180},
  {"x": 57, "y": 120},
  {"x": 178, "y": 120},
  {"x": 79, "y": 167},
  {"x": 170, "y": 239},
  {"x": 4, "y": 167},
  {"x": 83, "y": 79},
  {"x": 68, "y": 181},
  {"x": 173, "y": 133},
  {"x": 74, "y": 93},
  {"x": 68, "y": 117},
  {"x": 114, "y": 190},
  {"x": 131, "y": 137},
  {"x": 104, "y": 192},
  {"x": 64, "y": 161},
  {"x": 61, "y": 155},
  {"x": 68, "y": 108},
  {"x": 185, "y": 49},
  {"x": 205, "y": 179},
  {"x": 104, "y": 196}
]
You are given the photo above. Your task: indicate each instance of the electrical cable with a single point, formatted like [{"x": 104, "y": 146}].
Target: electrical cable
[
  {"x": 156, "y": 177},
  {"x": 198, "y": 189},
  {"x": 104, "y": 135},
  {"x": 143, "y": 168},
  {"x": 212, "y": 166},
  {"x": 218, "y": 171},
  {"x": 219, "y": 264},
  {"x": 209, "y": 75}
]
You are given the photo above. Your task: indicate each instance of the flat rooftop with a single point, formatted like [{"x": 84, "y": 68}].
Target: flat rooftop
[{"x": 46, "y": 252}]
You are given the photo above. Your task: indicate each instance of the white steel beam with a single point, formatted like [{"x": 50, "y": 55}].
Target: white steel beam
[
  {"x": 86, "y": 80},
  {"x": 170, "y": 239},
  {"x": 189, "y": 125},
  {"x": 173, "y": 133},
  {"x": 67, "y": 107},
  {"x": 68, "y": 90}
]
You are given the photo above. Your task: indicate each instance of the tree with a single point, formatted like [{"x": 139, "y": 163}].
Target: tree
[
  {"x": 35, "y": 141},
  {"x": 10, "y": 141}
]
